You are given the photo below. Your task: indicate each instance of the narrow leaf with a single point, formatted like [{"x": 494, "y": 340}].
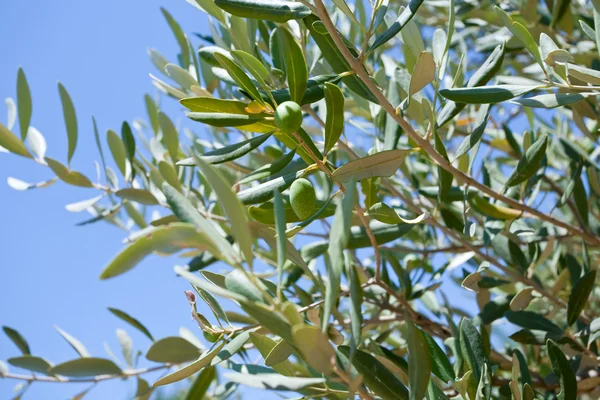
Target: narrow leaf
[
  {"x": 70, "y": 120},
  {"x": 24, "y": 105},
  {"x": 334, "y": 123},
  {"x": 579, "y": 296},
  {"x": 232, "y": 206},
  {"x": 384, "y": 164}
]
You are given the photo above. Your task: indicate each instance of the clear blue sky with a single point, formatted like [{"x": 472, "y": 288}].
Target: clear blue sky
[{"x": 50, "y": 267}]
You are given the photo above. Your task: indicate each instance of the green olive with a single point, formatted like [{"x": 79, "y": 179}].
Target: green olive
[
  {"x": 303, "y": 198},
  {"x": 288, "y": 117}
]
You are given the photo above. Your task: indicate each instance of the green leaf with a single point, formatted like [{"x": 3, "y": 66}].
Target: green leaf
[
  {"x": 444, "y": 177},
  {"x": 231, "y": 348},
  {"x": 12, "y": 143},
  {"x": 384, "y": 164},
  {"x": 131, "y": 321},
  {"x": 579, "y": 296},
  {"x": 213, "y": 304},
  {"x": 192, "y": 368},
  {"x": 214, "y": 105},
  {"x": 152, "y": 111},
  {"x": 229, "y": 153},
  {"x": 419, "y": 362},
  {"x": 377, "y": 378},
  {"x": 386, "y": 214},
  {"x": 245, "y": 122},
  {"x": 269, "y": 10},
  {"x": 170, "y": 135},
  {"x": 24, "y": 105},
  {"x": 239, "y": 76},
  {"x": 553, "y": 100},
  {"x": 17, "y": 339},
  {"x": 471, "y": 140},
  {"x": 166, "y": 239},
  {"x": 338, "y": 242},
  {"x": 269, "y": 319},
  {"x": 295, "y": 65},
  {"x": 232, "y": 206},
  {"x": 179, "y": 36},
  {"x": 239, "y": 282},
  {"x": 67, "y": 175},
  {"x": 70, "y": 120},
  {"x": 75, "y": 344},
  {"x": 252, "y": 64},
  {"x": 181, "y": 76},
  {"x": 269, "y": 169},
  {"x": 201, "y": 384},
  {"x": 334, "y": 123},
  {"x": 279, "y": 353},
  {"x": 530, "y": 162},
  {"x": 440, "y": 364},
  {"x": 532, "y": 320},
  {"x": 118, "y": 151},
  {"x": 394, "y": 29},
  {"x": 343, "y": 6},
  {"x": 141, "y": 196},
  {"x": 264, "y": 191},
  {"x": 128, "y": 141},
  {"x": 356, "y": 301},
  {"x": 31, "y": 363},
  {"x": 423, "y": 73},
  {"x": 584, "y": 74},
  {"x": 280, "y": 226},
  {"x": 265, "y": 346},
  {"x": 217, "y": 290},
  {"x": 482, "y": 76},
  {"x": 186, "y": 212},
  {"x": 86, "y": 367},
  {"x": 486, "y": 94},
  {"x": 523, "y": 35},
  {"x": 314, "y": 347},
  {"x": 562, "y": 369},
  {"x": 472, "y": 348},
  {"x": 173, "y": 350}
]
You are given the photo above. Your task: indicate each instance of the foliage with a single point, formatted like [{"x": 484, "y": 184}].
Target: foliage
[{"x": 449, "y": 142}]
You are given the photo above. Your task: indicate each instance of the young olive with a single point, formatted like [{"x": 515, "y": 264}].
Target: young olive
[
  {"x": 288, "y": 117},
  {"x": 303, "y": 198}
]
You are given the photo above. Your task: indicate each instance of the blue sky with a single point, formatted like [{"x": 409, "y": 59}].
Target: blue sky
[{"x": 50, "y": 267}]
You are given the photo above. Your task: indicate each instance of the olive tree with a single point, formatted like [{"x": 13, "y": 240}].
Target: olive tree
[{"x": 352, "y": 158}]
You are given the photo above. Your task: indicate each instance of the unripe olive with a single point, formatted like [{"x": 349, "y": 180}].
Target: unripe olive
[
  {"x": 303, "y": 198},
  {"x": 288, "y": 117}
]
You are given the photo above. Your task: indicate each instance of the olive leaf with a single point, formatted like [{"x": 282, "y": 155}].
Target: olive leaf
[{"x": 384, "y": 163}]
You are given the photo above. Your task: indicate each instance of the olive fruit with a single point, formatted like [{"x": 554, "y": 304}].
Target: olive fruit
[
  {"x": 303, "y": 198},
  {"x": 288, "y": 117}
]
